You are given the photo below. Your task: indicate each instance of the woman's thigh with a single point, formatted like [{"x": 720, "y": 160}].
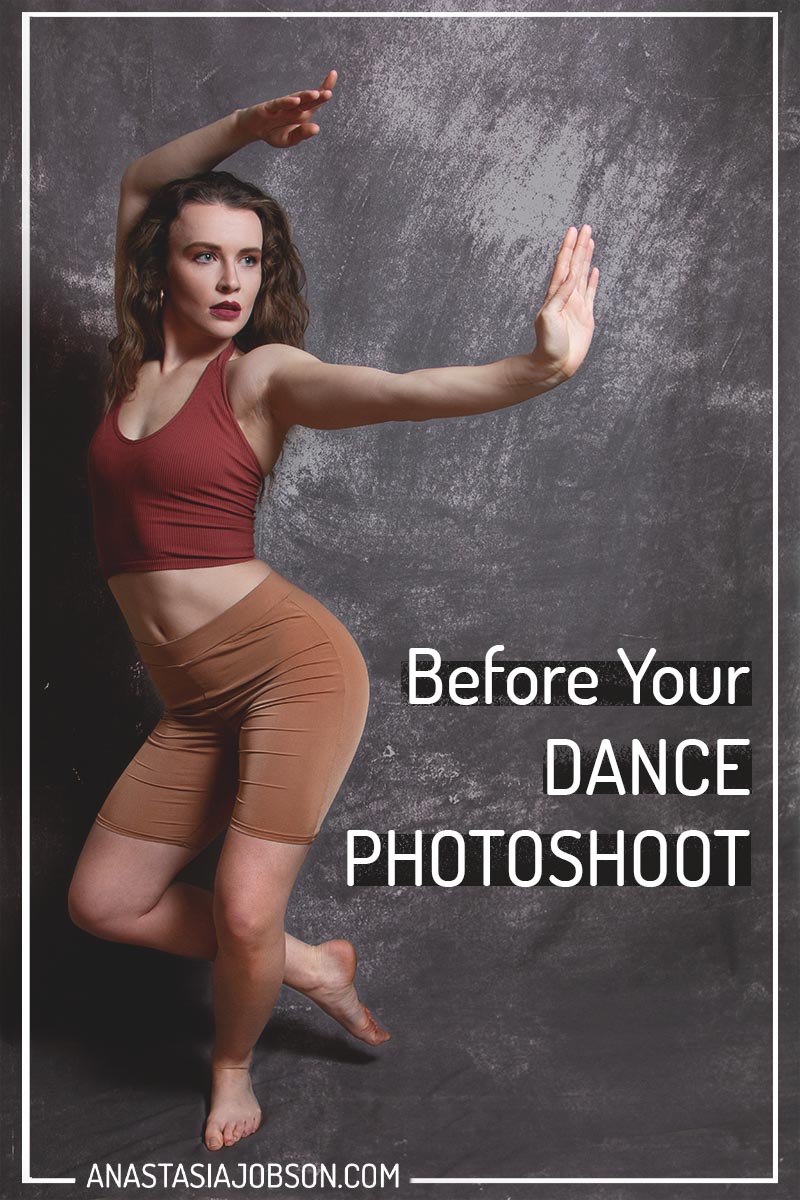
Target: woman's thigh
[
  {"x": 170, "y": 802},
  {"x": 118, "y": 878},
  {"x": 262, "y": 723},
  {"x": 300, "y": 711},
  {"x": 179, "y": 787}
]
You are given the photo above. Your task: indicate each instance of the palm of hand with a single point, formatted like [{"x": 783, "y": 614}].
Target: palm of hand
[
  {"x": 565, "y": 323},
  {"x": 285, "y": 121}
]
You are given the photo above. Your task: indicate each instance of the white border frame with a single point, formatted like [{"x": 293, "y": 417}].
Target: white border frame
[{"x": 25, "y": 226}]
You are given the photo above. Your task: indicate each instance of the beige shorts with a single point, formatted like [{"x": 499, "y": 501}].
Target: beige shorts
[{"x": 264, "y": 709}]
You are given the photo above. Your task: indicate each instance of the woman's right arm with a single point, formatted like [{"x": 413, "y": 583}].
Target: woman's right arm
[
  {"x": 299, "y": 389},
  {"x": 197, "y": 151},
  {"x": 282, "y": 122}
]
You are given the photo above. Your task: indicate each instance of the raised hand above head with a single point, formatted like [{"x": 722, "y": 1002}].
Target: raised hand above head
[{"x": 285, "y": 121}]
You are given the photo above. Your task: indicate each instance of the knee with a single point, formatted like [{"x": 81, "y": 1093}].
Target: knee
[
  {"x": 84, "y": 910},
  {"x": 240, "y": 928},
  {"x": 91, "y": 911}
]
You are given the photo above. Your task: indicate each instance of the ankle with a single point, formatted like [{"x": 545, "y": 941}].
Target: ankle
[
  {"x": 308, "y": 974},
  {"x": 222, "y": 1064}
]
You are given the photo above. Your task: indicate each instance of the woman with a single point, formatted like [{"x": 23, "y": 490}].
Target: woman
[{"x": 265, "y": 691}]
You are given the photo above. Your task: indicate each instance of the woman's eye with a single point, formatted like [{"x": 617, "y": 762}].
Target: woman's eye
[{"x": 208, "y": 254}]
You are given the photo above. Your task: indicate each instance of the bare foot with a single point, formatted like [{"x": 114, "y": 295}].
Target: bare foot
[
  {"x": 235, "y": 1112},
  {"x": 335, "y": 992}
]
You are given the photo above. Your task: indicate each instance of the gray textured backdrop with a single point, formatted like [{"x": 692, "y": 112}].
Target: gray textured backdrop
[{"x": 537, "y": 1032}]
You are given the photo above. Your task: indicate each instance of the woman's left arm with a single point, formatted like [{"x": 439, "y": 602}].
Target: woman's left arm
[{"x": 299, "y": 389}]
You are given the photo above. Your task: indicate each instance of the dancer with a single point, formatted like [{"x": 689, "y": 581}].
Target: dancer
[{"x": 265, "y": 691}]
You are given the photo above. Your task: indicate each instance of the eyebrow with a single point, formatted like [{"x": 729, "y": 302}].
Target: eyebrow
[{"x": 214, "y": 246}]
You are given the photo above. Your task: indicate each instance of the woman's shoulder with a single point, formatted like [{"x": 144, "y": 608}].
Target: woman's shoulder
[
  {"x": 270, "y": 352},
  {"x": 249, "y": 374},
  {"x": 255, "y": 367}
]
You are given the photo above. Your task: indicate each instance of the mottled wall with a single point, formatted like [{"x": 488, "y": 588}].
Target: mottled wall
[{"x": 551, "y": 1033}]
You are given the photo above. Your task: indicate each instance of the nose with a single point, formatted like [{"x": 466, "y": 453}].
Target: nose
[{"x": 229, "y": 281}]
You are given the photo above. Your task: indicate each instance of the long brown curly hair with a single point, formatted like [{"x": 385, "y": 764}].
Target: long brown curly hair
[{"x": 280, "y": 313}]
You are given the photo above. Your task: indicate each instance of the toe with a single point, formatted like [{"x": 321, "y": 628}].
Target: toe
[
  {"x": 375, "y": 1032},
  {"x": 213, "y": 1138},
  {"x": 371, "y": 1026}
]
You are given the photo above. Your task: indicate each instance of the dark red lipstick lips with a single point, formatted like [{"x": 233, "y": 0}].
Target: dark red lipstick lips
[{"x": 228, "y": 310}]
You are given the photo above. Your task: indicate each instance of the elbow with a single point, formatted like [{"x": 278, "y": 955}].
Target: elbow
[{"x": 128, "y": 182}]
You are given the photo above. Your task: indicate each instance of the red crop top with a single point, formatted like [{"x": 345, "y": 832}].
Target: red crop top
[{"x": 183, "y": 496}]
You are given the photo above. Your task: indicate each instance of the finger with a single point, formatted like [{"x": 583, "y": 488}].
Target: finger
[
  {"x": 330, "y": 80},
  {"x": 579, "y": 255},
  {"x": 563, "y": 293},
  {"x": 562, "y": 262},
  {"x": 308, "y": 97},
  {"x": 301, "y": 113},
  {"x": 587, "y": 258},
  {"x": 591, "y": 290},
  {"x": 301, "y": 132},
  {"x": 311, "y": 106},
  {"x": 281, "y": 102},
  {"x": 285, "y": 135},
  {"x": 314, "y": 96}
]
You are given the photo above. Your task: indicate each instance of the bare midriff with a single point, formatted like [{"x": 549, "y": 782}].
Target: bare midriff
[{"x": 160, "y": 606}]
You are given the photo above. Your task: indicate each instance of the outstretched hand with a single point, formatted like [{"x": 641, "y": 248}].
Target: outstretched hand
[
  {"x": 286, "y": 121},
  {"x": 565, "y": 323}
]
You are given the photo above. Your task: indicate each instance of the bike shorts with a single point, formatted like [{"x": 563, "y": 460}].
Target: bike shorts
[{"x": 264, "y": 709}]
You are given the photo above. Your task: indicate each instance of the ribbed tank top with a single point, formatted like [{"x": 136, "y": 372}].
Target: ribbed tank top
[{"x": 182, "y": 496}]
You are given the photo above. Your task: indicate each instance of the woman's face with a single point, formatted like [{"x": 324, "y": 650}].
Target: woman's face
[{"x": 214, "y": 258}]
